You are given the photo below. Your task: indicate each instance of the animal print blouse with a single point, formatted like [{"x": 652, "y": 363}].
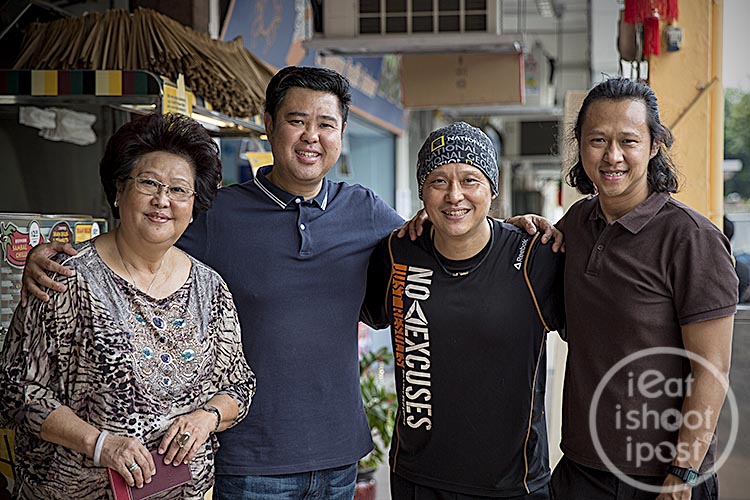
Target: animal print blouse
[{"x": 122, "y": 361}]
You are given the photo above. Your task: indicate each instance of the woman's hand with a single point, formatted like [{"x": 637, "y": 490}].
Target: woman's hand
[
  {"x": 186, "y": 435},
  {"x": 38, "y": 262},
  {"x": 120, "y": 453}
]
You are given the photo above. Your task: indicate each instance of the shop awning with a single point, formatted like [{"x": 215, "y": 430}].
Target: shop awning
[
  {"x": 134, "y": 91},
  {"x": 123, "y": 59}
]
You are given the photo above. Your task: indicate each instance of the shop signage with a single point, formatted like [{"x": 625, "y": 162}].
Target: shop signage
[
  {"x": 273, "y": 30},
  {"x": 177, "y": 99}
]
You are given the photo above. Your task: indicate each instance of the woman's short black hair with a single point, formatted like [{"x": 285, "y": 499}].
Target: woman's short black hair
[
  {"x": 320, "y": 79},
  {"x": 662, "y": 172},
  {"x": 170, "y": 133}
]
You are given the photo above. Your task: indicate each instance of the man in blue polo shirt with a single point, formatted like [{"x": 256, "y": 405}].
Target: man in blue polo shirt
[{"x": 293, "y": 248}]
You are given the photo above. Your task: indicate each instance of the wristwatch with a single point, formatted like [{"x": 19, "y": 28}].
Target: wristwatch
[
  {"x": 215, "y": 411},
  {"x": 689, "y": 476}
]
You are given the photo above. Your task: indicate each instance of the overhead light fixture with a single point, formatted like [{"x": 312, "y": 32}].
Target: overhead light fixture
[
  {"x": 210, "y": 120},
  {"x": 418, "y": 43},
  {"x": 225, "y": 125}
]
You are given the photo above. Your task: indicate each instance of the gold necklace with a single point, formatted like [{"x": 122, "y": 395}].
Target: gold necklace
[{"x": 132, "y": 279}]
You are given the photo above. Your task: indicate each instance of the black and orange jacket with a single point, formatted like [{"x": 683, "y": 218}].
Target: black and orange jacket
[{"x": 470, "y": 360}]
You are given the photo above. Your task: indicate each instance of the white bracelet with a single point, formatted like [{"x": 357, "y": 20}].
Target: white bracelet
[{"x": 98, "y": 447}]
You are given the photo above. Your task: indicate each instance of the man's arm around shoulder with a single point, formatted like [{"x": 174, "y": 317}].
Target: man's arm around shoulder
[
  {"x": 545, "y": 269},
  {"x": 38, "y": 263},
  {"x": 374, "y": 308}
]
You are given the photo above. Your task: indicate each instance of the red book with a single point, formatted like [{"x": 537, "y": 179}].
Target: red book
[{"x": 166, "y": 477}]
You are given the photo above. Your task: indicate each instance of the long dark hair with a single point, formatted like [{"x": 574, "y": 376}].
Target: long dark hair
[
  {"x": 662, "y": 172},
  {"x": 171, "y": 133}
]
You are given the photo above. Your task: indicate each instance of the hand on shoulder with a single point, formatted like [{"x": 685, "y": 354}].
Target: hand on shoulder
[
  {"x": 38, "y": 263},
  {"x": 532, "y": 223}
]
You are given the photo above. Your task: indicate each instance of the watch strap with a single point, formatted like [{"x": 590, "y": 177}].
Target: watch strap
[{"x": 688, "y": 475}]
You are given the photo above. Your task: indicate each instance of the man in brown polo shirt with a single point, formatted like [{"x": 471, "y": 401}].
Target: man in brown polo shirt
[
  {"x": 642, "y": 271},
  {"x": 650, "y": 294}
]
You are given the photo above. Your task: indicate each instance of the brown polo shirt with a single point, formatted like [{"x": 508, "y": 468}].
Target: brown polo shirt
[{"x": 629, "y": 286}]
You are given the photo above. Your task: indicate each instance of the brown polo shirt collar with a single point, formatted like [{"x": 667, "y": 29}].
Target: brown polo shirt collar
[{"x": 636, "y": 219}]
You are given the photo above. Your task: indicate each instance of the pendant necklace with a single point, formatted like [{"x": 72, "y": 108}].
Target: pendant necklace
[
  {"x": 151, "y": 284},
  {"x": 458, "y": 274}
]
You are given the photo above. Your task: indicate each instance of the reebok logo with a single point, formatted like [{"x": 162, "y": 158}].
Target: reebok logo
[{"x": 521, "y": 252}]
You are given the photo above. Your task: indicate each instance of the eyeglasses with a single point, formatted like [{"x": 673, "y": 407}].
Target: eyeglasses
[{"x": 153, "y": 187}]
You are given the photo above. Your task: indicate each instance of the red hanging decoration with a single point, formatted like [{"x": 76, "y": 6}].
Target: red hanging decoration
[
  {"x": 631, "y": 11},
  {"x": 636, "y": 11},
  {"x": 649, "y": 13},
  {"x": 672, "y": 10},
  {"x": 651, "y": 43}
]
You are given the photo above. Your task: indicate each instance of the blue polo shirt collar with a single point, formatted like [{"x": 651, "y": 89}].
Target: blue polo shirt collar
[{"x": 284, "y": 199}]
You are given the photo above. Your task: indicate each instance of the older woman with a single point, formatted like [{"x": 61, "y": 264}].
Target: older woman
[
  {"x": 142, "y": 351},
  {"x": 470, "y": 303}
]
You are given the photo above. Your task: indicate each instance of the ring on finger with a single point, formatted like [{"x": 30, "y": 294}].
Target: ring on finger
[
  {"x": 134, "y": 467},
  {"x": 183, "y": 440}
]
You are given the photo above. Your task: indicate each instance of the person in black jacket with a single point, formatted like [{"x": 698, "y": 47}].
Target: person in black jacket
[{"x": 470, "y": 303}]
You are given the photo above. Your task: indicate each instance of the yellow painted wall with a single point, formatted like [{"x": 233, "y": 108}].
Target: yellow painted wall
[{"x": 687, "y": 97}]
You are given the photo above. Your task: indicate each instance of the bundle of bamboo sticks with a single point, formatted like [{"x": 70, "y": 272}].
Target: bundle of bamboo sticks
[{"x": 225, "y": 74}]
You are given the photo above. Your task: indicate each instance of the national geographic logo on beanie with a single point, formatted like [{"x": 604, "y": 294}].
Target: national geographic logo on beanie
[{"x": 457, "y": 143}]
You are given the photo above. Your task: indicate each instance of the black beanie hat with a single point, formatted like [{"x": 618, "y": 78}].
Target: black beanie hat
[{"x": 457, "y": 143}]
